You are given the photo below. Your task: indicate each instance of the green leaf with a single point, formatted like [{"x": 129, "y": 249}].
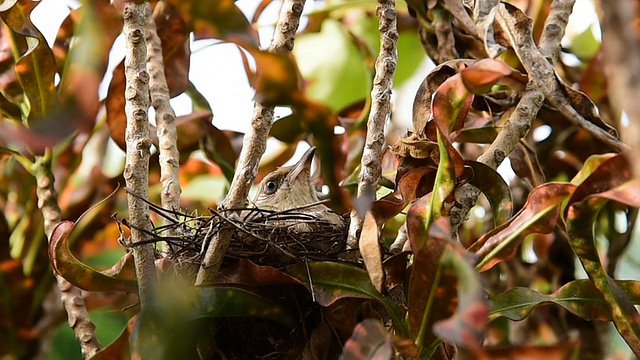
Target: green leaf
[
  {"x": 364, "y": 24},
  {"x": 612, "y": 180},
  {"x": 579, "y": 297},
  {"x": 330, "y": 282},
  {"x": 36, "y": 67},
  {"x": 332, "y": 66},
  {"x": 585, "y": 45},
  {"x": 493, "y": 186}
]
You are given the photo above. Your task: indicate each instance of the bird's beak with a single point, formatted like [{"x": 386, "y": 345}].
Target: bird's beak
[{"x": 303, "y": 164}]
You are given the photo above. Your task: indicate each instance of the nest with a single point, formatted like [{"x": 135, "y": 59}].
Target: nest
[{"x": 262, "y": 236}]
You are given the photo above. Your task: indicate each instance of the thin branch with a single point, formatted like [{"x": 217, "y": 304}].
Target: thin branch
[
  {"x": 165, "y": 117},
  {"x": 386, "y": 64},
  {"x": 254, "y": 145},
  {"x": 70, "y": 295},
  {"x": 519, "y": 123},
  {"x": 543, "y": 74},
  {"x": 136, "y": 169}
]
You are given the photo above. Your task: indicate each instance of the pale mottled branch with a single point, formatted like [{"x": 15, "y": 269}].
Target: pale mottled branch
[
  {"x": 542, "y": 73},
  {"x": 136, "y": 169},
  {"x": 554, "y": 28},
  {"x": 71, "y": 296},
  {"x": 371, "y": 170},
  {"x": 165, "y": 117},
  {"x": 519, "y": 123},
  {"x": 254, "y": 145}
]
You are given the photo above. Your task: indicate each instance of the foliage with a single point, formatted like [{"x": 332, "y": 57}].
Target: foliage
[{"x": 483, "y": 284}]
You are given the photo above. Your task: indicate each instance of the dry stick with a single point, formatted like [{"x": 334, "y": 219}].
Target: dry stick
[
  {"x": 165, "y": 119},
  {"x": 622, "y": 55},
  {"x": 136, "y": 169},
  {"x": 70, "y": 295},
  {"x": 254, "y": 145},
  {"x": 371, "y": 170},
  {"x": 519, "y": 123}
]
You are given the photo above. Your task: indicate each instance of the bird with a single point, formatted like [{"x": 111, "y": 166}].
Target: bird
[{"x": 291, "y": 188}]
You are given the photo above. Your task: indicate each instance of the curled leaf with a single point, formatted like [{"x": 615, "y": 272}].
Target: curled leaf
[{"x": 82, "y": 275}]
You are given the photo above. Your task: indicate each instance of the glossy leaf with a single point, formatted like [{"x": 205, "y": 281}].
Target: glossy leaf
[
  {"x": 538, "y": 216},
  {"x": 330, "y": 282},
  {"x": 482, "y": 75},
  {"x": 612, "y": 180},
  {"x": 579, "y": 297},
  {"x": 36, "y": 67},
  {"x": 412, "y": 185},
  {"x": 493, "y": 186},
  {"x": 78, "y": 273},
  {"x": 450, "y": 104}
]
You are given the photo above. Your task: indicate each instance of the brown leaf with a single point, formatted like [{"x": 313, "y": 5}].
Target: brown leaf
[
  {"x": 220, "y": 19},
  {"x": 176, "y": 53},
  {"x": 427, "y": 285},
  {"x": 370, "y": 249},
  {"x": 482, "y": 75},
  {"x": 245, "y": 272},
  {"x": 114, "y": 103},
  {"x": 525, "y": 164},
  {"x": 538, "y": 215},
  {"x": 80, "y": 274}
]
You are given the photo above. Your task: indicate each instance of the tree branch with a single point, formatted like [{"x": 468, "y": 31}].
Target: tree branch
[
  {"x": 71, "y": 296},
  {"x": 165, "y": 117},
  {"x": 136, "y": 169},
  {"x": 254, "y": 145},
  {"x": 519, "y": 123},
  {"x": 371, "y": 170}
]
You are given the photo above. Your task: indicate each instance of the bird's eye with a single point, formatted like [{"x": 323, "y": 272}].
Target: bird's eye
[{"x": 270, "y": 186}]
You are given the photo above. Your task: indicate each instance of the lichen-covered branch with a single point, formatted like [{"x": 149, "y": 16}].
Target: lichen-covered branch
[
  {"x": 136, "y": 168},
  {"x": 71, "y": 296},
  {"x": 371, "y": 170},
  {"x": 165, "y": 116},
  {"x": 254, "y": 145}
]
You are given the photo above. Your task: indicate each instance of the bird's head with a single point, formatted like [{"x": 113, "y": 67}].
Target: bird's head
[{"x": 288, "y": 187}]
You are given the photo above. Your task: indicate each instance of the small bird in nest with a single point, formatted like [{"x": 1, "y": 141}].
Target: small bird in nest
[{"x": 289, "y": 188}]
